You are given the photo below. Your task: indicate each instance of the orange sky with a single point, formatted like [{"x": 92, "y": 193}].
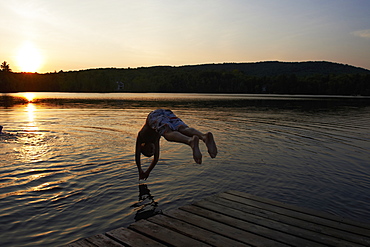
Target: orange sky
[{"x": 48, "y": 36}]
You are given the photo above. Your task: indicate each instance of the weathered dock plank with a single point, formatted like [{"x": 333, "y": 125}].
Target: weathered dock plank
[
  {"x": 253, "y": 227},
  {"x": 194, "y": 231},
  {"x": 288, "y": 220},
  {"x": 269, "y": 227},
  {"x": 235, "y": 218},
  {"x": 339, "y": 227},
  {"x": 307, "y": 214},
  {"x": 131, "y": 238},
  {"x": 223, "y": 229},
  {"x": 164, "y": 235},
  {"x": 103, "y": 240}
]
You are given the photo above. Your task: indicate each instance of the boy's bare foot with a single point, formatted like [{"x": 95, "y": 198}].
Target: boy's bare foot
[
  {"x": 211, "y": 145},
  {"x": 194, "y": 144}
]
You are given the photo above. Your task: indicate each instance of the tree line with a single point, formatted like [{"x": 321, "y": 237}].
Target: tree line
[{"x": 187, "y": 79}]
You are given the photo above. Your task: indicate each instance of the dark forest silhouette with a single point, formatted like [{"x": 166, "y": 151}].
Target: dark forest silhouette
[{"x": 316, "y": 78}]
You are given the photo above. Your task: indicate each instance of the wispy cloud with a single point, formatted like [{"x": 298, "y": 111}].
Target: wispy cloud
[{"x": 363, "y": 33}]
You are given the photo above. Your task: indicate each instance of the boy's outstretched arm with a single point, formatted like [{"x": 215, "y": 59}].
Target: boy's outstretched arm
[
  {"x": 154, "y": 161},
  {"x": 138, "y": 157}
]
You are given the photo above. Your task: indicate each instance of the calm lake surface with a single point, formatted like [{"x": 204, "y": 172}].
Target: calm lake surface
[{"x": 68, "y": 171}]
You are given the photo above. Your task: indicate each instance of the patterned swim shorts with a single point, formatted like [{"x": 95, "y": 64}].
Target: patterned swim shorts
[{"x": 160, "y": 119}]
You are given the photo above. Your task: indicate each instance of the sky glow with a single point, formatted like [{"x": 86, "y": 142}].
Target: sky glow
[{"x": 73, "y": 35}]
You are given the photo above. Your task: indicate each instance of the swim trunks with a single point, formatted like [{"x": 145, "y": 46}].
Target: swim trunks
[{"x": 160, "y": 119}]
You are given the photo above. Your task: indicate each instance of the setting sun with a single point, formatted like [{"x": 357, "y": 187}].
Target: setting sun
[
  {"x": 29, "y": 96},
  {"x": 29, "y": 58}
]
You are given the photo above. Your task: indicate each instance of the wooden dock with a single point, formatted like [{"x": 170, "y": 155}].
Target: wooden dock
[{"x": 236, "y": 219}]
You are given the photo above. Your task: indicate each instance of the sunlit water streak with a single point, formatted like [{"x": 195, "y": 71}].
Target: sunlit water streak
[{"x": 67, "y": 166}]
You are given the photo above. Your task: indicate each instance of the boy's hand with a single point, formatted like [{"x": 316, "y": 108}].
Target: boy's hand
[{"x": 143, "y": 175}]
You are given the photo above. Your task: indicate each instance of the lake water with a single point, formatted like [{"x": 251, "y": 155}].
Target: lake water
[{"x": 68, "y": 171}]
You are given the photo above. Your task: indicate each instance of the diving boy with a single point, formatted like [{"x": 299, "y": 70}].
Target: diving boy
[{"x": 165, "y": 123}]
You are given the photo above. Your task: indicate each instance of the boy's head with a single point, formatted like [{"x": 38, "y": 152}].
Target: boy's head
[{"x": 147, "y": 149}]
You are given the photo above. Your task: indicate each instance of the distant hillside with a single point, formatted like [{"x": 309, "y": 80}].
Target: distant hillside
[
  {"x": 262, "y": 77},
  {"x": 273, "y": 68}
]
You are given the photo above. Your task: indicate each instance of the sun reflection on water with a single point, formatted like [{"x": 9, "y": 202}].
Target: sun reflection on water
[
  {"x": 31, "y": 126},
  {"x": 33, "y": 142}
]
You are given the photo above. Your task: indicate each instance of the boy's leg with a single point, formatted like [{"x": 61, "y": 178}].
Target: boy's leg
[
  {"x": 176, "y": 136},
  {"x": 191, "y": 132},
  {"x": 207, "y": 138},
  {"x": 193, "y": 142}
]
